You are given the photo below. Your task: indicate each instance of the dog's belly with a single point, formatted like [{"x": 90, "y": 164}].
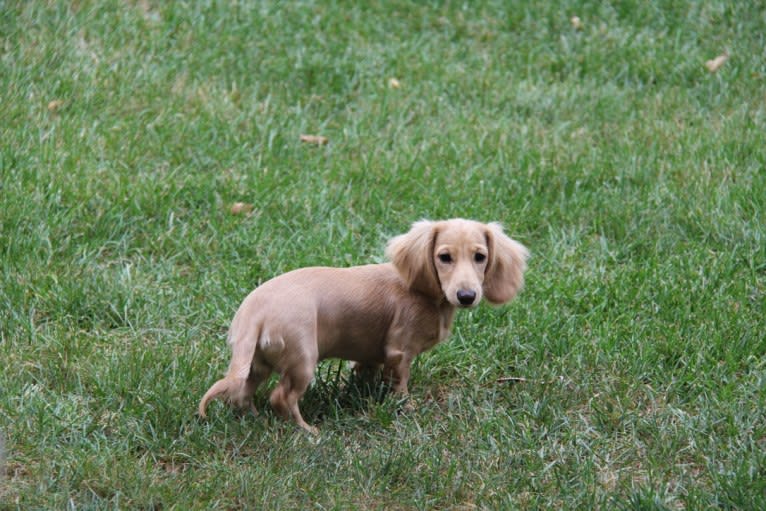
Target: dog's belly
[{"x": 361, "y": 339}]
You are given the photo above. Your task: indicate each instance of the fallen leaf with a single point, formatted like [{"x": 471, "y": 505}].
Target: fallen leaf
[
  {"x": 576, "y": 22},
  {"x": 239, "y": 208},
  {"x": 314, "y": 139},
  {"x": 394, "y": 83},
  {"x": 54, "y": 105},
  {"x": 715, "y": 64}
]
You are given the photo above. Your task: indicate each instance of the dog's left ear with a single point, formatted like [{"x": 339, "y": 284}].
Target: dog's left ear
[
  {"x": 412, "y": 255},
  {"x": 504, "y": 276}
]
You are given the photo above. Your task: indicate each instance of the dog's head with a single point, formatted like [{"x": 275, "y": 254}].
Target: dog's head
[{"x": 460, "y": 260}]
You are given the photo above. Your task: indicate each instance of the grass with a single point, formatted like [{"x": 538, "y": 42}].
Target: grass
[{"x": 635, "y": 176}]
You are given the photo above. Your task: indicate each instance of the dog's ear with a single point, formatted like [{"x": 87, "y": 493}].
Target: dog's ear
[
  {"x": 504, "y": 276},
  {"x": 412, "y": 255}
]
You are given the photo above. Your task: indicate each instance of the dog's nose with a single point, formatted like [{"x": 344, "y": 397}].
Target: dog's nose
[{"x": 466, "y": 296}]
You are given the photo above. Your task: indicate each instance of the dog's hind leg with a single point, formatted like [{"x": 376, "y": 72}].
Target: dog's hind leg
[
  {"x": 299, "y": 381},
  {"x": 259, "y": 373},
  {"x": 284, "y": 399},
  {"x": 246, "y": 372}
]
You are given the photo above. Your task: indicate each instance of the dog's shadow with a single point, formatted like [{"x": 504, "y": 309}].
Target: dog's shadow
[{"x": 340, "y": 392}]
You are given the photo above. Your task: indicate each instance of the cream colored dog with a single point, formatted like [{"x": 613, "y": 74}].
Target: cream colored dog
[{"x": 377, "y": 314}]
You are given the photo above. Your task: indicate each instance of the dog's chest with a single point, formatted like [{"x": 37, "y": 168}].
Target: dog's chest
[
  {"x": 445, "y": 322},
  {"x": 440, "y": 331}
]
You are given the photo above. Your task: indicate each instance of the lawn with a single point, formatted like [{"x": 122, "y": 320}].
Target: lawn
[{"x": 629, "y": 374}]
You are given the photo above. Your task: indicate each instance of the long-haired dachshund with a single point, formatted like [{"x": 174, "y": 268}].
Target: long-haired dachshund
[{"x": 377, "y": 314}]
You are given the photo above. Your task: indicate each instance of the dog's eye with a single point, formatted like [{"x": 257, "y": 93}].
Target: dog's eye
[
  {"x": 479, "y": 257},
  {"x": 445, "y": 258}
]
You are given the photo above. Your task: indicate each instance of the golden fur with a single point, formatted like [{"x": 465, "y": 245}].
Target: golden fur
[{"x": 376, "y": 315}]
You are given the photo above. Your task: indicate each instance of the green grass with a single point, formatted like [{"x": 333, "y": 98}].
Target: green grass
[{"x": 636, "y": 177}]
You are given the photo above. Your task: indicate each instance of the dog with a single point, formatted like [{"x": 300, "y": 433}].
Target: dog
[{"x": 377, "y": 315}]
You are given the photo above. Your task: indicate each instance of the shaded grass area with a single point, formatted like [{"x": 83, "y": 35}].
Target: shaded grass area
[{"x": 635, "y": 176}]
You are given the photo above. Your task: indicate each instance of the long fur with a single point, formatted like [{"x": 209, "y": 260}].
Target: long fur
[
  {"x": 507, "y": 262},
  {"x": 411, "y": 254}
]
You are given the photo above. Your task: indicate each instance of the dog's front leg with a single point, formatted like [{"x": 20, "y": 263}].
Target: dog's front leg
[{"x": 396, "y": 371}]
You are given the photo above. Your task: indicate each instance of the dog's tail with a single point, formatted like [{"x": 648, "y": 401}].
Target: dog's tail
[
  {"x": 222, "y": 386},
  {"x": 234, "y": 386},
  {"x": 231, "y": 385}
]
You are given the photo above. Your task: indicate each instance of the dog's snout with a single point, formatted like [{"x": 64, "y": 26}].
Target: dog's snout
[{"x": 466, "y": 296}]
